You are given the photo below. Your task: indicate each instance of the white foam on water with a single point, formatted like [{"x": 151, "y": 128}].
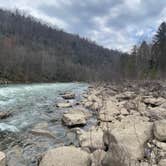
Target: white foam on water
[
  {"x": 7, "y": 127},
  {"x": 29, "y": 102}
]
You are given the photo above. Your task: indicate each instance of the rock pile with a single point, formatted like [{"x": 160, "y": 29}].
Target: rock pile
[
  {"x": 130, "y": 130},
  {"x": 66, "y": 156}
]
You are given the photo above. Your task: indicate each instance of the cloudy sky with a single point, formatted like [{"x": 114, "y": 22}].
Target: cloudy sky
[{"x": 116, "y": 24}]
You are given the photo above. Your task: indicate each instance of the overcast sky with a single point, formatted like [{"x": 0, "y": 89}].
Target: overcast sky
[{"x": 116, "y": 24}]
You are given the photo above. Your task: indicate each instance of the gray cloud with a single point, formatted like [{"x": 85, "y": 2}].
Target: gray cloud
[{"x": 112, "y": 23}]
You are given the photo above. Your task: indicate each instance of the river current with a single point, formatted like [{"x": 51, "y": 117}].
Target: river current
[{"x": 34, "y": 105}]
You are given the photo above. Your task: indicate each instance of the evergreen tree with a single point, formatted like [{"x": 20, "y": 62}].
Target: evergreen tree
[{"x": 160, "y": 47}]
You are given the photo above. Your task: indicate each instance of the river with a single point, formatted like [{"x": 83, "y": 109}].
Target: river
[{"x": 34, "y": 105}]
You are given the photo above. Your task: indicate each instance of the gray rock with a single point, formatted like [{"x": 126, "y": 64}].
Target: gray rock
[
  {"x": 131, "y": 134},
  {"x": 111, "y": 110},
  {"x": 92, "y": 139},
  {"x": 74, "y": 117},
  {"x": 162, "y": 162},
  {"x": 68, "y": 95},
  {"x": 42, "y": 132},
  {"x": 2, "y": 159},
  {"x": 65, "y": 156},
  {"x": 97, "y": 157},
  {"x": 64, "y": 105},
  {"x": 126, "y": 95},
  {"x": 159, "y": 130},
  {"x": 154, "y": 101},
  {"x": 156, "y": 113}
]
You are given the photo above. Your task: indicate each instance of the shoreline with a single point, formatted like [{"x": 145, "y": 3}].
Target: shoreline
[
  {"x": 125, "y": 124},
  {"x": 128, "y": 119}
]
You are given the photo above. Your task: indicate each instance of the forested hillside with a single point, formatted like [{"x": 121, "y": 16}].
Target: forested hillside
[{"x": 34, "y": 51}]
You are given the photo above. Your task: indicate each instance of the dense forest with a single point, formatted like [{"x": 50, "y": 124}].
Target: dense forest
[{"x": 33, "y": 51}]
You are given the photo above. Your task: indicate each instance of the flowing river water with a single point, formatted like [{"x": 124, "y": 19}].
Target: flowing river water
[{"x": 34, "y": 106}]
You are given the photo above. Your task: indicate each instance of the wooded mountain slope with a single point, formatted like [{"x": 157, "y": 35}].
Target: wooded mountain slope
[{"x": 34, "y": 51}]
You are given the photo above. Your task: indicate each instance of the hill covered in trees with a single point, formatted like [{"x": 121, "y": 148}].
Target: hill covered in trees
[{"x": 32, "y": 51}]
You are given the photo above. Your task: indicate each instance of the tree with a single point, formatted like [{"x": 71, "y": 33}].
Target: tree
[
  {"x": 159, "y": 44},
  {"x": 143, "y": 59},
  {"x": 132, "y": 63}
]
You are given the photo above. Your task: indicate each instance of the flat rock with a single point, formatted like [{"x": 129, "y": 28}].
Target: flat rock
[
  {"x": 2, "y": 159},
  {"x": 159, "y": 130},
  {"x": 126, "y": 95},
  {"x": 64, "y": 105},
  {"x": 41, "y": 125},
  {"x": 66, "y": 156},
  {"x": 154, "y": 101},
  {"x": 41, "y": 132},
  {"x": 74, "y": 117}
]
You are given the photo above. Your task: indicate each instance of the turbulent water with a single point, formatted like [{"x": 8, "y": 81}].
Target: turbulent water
[{"x": 33, "y": 105}]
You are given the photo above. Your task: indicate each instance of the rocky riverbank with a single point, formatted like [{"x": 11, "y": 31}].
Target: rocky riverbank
[
  {"x": 31, "y": 123},
  {"x": 130, "y": 130}
]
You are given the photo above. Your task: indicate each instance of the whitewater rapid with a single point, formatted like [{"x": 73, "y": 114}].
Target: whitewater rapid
[{"x": 30, "y": 103}]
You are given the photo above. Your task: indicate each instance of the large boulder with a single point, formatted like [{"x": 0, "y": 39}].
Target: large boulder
[
  {"x": 110, "y": 112},
  {"x": 65, "y": 156},
  {"x": 74, "y": 117},
  {"x": 159, "y": 130},
  {"x": 91, "y": 139},
  {"x": 2, "y": 159},
  {"x": 132, "y": 133}
]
